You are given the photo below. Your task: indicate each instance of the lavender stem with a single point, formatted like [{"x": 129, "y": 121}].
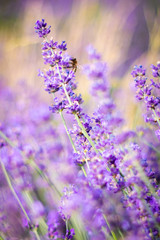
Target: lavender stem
[
  {"x": 16, "y": 197},
  {"x": 156, "y": 117}
]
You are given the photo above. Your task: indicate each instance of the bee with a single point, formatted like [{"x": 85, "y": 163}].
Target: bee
[{"x": 73, "y": 64}]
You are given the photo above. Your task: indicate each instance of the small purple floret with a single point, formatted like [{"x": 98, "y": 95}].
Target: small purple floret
[
  {"x": 41, "y": 28},
  {"x": 156, "y": 70}
]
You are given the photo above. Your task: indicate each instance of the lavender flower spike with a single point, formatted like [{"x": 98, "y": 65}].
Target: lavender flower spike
[{"x": 41, "y": 28}]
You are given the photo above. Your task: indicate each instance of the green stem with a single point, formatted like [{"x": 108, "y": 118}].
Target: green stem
[
  {"x": 16, "y": 197},
  {"x": 72, "y": 143},
  {"x": 66, "y": 225},
  {"x": 45, "y": 177},
  {"x": 65, "y": 125},
  {"x": 154, "y": 112},
  {"x": 1, "y": 238},
  {"x": 7, "y": 139},
  {"x": 36, "y": 233},
  {"x": 86, "y": 134},
  {"x": 42, "y": 229},
  {"x": 87, "y": 163},
  {"x": 13, "y": 191},
  {"x": 113, "y": 234},
  {"x": 65, "y": 90},
  {"x": 121, "y": 234},
  {"x": 84, "y": 171}
]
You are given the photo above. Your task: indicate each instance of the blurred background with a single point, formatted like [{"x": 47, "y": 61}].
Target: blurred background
[{"x": 124, "y": 32}]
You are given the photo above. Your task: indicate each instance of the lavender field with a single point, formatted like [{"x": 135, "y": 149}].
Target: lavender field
[{"x": 80, "y": 120}]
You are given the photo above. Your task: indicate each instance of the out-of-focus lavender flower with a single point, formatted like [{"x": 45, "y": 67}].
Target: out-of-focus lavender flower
[
  {"x": 123, "y": 137},
  {"x": 69, "y": 234},
  {"x": 157, "y": 132},
  {"x": 97, "y": 72},
  {"x": 38, "y": 209},
  {"x": 92, "y": 53},
  {"x": 55, "y": 225}
]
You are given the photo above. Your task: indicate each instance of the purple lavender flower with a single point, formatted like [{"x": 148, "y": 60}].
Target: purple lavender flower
[
  {"x": 41, "y": 28},
  {"x": 139, "y": 73},
  {"x": 93, "y": 53},
  {"x": 63, "y": 46},
  {"x": 55, "y": 225},
  {"x": 97, "y": 72},
  {"x": 156, "y": 70},
  {"x": 152, "y": 101}
]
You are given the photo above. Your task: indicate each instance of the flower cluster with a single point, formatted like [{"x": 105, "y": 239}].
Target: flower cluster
[
  {"x": 148, "y": 92},
  {"x": 144, "y": 90}
]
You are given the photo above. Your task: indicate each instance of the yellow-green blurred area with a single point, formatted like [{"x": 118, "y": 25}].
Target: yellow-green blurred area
[{"x": 125, "y": 32}]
